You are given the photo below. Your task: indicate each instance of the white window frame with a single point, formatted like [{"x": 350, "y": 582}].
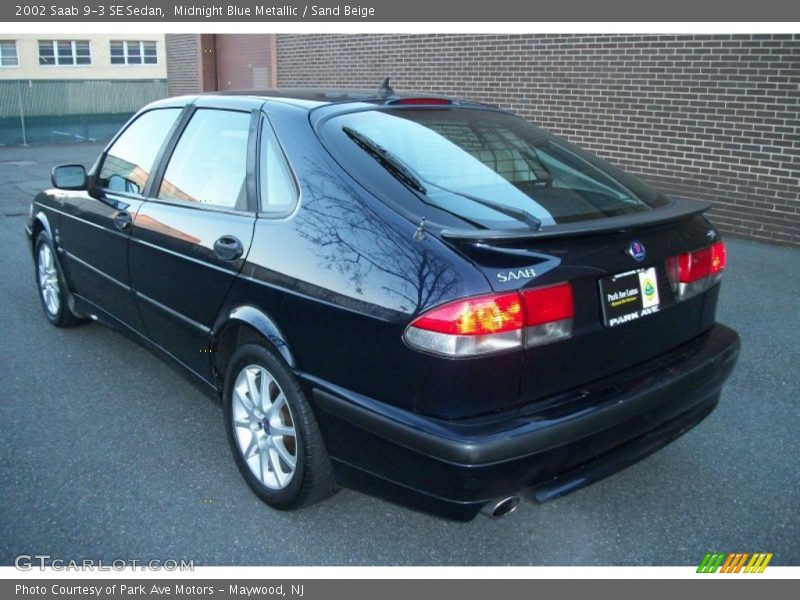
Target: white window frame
[
  {"x": 73, "y": 47},
  {"x": 125, "y": 53},
  {"x": 16, "y": 51}
]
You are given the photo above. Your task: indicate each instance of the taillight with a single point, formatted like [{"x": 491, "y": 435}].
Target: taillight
[
  {"x": 694, "y": 272},
  {"x": 497, "y": 322},
  {"x": 548, "y": 314},
  {"x": 718, "y": 258},
  {"x": 475, "y": 316}
]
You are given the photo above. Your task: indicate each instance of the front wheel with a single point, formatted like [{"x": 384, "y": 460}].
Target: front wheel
[
  {"x": 50, "y": 281},
  {"x": 272, "y": 431}
]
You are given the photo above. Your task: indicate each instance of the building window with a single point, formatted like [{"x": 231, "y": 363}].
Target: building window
[
  {"x": 64, "y": 52},
  {"x": 133, "y": 53},
  {"x": 8, "y": 54}
]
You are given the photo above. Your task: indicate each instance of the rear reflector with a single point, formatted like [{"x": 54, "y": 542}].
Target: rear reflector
[
  {"x": 694, "y": 272},
  {"x": 497, "y": 322}
]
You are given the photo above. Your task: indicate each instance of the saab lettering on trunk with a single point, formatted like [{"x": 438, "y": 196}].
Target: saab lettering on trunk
[{"x": 507, "y": 276}]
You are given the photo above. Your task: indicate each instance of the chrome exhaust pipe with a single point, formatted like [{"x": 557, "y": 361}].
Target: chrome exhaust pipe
[{"x": 500, "y": 508}]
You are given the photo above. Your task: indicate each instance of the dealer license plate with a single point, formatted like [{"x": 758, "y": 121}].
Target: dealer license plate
[{"x": 629, "y": 296}]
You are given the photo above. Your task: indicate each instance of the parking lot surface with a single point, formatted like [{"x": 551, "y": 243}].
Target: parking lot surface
[{"x": 108, "y": 453}]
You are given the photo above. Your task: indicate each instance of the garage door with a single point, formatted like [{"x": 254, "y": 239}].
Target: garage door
[{"x": 245, "y": 62}]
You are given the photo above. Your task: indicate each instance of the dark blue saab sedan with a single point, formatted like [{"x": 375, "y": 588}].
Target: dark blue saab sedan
[{"x": 423, "y": 298}]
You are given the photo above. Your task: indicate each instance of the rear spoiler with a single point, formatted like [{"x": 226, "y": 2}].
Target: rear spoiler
[{"x": 676, "y": 210}]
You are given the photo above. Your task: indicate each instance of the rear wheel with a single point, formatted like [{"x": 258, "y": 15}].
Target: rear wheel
[
  {"x": 272, "y": 431},
  {"x": 50, "y": 281}
]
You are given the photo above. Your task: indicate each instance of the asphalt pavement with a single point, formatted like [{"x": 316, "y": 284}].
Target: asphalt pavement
[{"x": 106, "y": 452}]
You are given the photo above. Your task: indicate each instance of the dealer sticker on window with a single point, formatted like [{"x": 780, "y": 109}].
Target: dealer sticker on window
[{"x": 629, "y": 296}]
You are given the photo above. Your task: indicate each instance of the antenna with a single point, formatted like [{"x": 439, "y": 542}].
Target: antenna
[{"x": 385, "y": 90}]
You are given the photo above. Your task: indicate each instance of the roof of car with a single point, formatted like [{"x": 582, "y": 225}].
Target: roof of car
[
  {"x": 309, "y": 97},
  {"x": 305, "y": 94}
]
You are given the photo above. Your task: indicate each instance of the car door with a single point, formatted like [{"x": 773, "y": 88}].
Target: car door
[
  {"x": 191, "y": 237},
  {"x": 94, "y": 233}
]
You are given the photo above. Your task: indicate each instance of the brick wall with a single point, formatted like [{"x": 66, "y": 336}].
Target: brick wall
[
  {"x": 711, "y": 117},
  {"x": 183, "y": 63}
]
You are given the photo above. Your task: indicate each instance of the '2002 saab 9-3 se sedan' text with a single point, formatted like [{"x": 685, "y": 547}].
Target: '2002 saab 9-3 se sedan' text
[{"x": 427, "y": 299}]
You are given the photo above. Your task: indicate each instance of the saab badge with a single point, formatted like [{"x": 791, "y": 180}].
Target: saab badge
[{"x": 636, "y": 251}]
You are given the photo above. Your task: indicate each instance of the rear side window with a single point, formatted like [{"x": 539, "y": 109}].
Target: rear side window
[
  {"x": 276, "y": 186},
  {"x": 128, "y": 163},
  {"x": 209, "y": 163}
]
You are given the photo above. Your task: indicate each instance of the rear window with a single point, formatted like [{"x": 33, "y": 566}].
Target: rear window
[{"x": 462, "y": 156}]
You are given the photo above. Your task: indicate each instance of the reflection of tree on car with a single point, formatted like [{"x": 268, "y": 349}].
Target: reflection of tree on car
[{"x": 350, "y": 237}]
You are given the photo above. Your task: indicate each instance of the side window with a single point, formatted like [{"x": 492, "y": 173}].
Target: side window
[
  {"x": 209, "y": 163},
  {"x": 276, "y": 186},
  {"x": 128, "y": 163}
]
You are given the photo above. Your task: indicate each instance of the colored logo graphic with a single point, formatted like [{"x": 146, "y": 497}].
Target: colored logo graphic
[
  {"x": 649, "y": 289},
  {"x": 735, "y": 562},
  {"x": 637, "y": 251}
]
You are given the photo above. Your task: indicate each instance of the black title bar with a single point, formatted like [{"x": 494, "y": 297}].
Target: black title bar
[{"x": 402, "y": 11}]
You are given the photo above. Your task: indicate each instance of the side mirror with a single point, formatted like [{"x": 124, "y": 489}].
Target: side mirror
[{"x": 69, "y": 177}]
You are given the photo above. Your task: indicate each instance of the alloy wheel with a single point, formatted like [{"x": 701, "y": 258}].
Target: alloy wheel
[
  {"x": 264, "y": 427},
  {"x": 48, "y": 280}
]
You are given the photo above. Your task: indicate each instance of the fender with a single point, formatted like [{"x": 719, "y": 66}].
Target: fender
[
  {"x": 259, "y": 321},
  {"x": 41, "y": 216}
]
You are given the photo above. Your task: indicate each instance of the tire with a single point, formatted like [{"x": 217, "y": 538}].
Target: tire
[
  {"x": 51, "y": 284},
  {"x": 266, "y": 440}
]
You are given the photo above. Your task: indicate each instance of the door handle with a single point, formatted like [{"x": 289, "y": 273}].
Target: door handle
[
  {"x": 228, "y": 247},
  {"x": 122, "y": 220}
]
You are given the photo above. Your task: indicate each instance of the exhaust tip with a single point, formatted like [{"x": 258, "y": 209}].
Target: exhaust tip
[{"x": 501, "y": 508}]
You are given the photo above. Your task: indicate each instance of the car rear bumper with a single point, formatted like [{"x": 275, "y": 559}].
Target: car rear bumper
[{"x": 453, "y": 468}]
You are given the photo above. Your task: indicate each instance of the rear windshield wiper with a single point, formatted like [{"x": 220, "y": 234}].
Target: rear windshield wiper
[
  {"x": 518, "y": 214},
  {"x": 388, "y": 160},
  {"x": 397, "y": 168}
]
